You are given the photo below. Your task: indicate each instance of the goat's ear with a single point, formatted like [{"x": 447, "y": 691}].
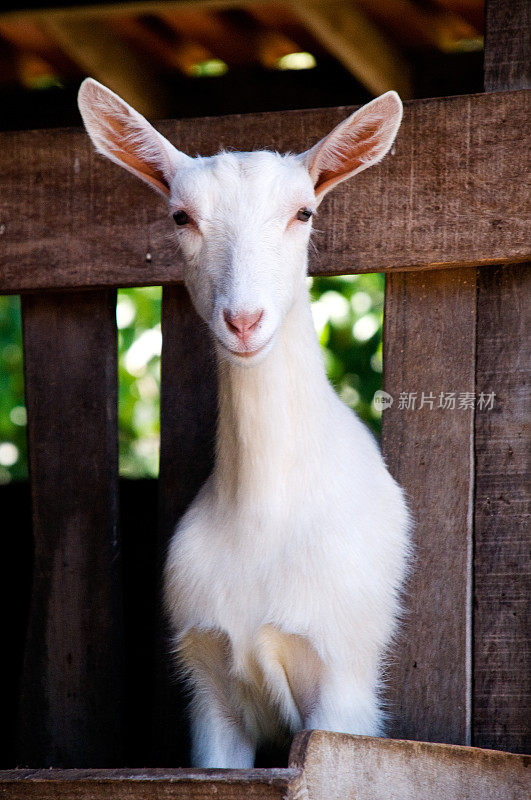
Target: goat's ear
[
  {"x": 358, "y": 142},
  {"x": 123, "y": 135}
]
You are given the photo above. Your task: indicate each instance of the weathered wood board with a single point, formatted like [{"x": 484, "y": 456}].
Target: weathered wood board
[
  {"x": 507, "y": 64},
  {"x": 429, "y": 347},
  {"x": 323, "y": 766},
  {"x": 72, "y": 680},
  {"x": 450, "y": 194},
  {"x": 149, "y": 784},
  {"x": 502, "y": 556},
  {"x": 336, "y": 767},
  {"x": 502, "y": 560}
]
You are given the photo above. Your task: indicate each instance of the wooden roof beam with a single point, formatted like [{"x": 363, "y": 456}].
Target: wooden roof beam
[
  {"x": 119, "y": 8},
  {"x": 346, "y": 32},
  {"x": 473, "y": 11},
  {"x": 225, "y": 39},
  {"x": 100, "y": 53},
  {"x": 28, "y": 37},
  {"x": 415, "y": 26},
  {"x": 174, "y": 52}
]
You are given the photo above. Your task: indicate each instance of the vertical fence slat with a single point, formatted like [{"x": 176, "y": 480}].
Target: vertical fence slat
[
  {"x": 502, "y": 565},
  {"x": 429, "y": 339},
  {"x": 188, "y": 418},
  {"x": 507, "y": 45},
  {"x": 70, "y": 710}
]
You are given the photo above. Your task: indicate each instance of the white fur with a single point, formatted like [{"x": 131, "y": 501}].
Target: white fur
[{"x": 282, "y": 579}]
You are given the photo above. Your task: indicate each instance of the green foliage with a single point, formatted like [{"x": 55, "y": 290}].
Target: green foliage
[
  {"x": 139, "y": 343},
  {"x": 13, "y": 461},
  {"x": 348, "y": 318}
]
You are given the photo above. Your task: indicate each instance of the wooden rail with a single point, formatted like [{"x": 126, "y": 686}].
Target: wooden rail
[
  {"x": 322, "y": 766},
  {"x": 451, "y": 195}
]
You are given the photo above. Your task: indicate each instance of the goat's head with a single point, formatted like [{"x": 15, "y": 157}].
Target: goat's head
[{"x": 242, "y": 220}]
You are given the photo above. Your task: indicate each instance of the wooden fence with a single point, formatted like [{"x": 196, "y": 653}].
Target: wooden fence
[{"x": 445, "y": 217}]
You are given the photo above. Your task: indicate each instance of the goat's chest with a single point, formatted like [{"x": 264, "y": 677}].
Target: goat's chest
[{"x": 239, "y": 580}]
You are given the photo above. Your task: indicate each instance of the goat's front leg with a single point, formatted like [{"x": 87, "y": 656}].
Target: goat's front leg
[
  {"x": 217, "y": 740},
  {"x": 348, "y": 705}
]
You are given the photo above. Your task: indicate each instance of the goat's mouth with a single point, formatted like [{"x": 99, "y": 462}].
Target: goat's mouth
[
  {"x": 246, "y": 354},
  {"x": 249, "y": 353}
]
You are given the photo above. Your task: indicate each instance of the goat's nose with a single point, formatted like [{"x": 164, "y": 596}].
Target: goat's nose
[{"x": 242, "y": 324}]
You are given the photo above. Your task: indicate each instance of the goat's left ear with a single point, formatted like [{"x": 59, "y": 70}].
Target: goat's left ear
[
  {"x": 358, "y": 142},
  {"x": 123, "y": 135}
]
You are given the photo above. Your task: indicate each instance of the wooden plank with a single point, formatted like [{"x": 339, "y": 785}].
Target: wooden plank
[
  {"x": 323, "y": 766},
  {"x": 502, "y": 562},
  {"x": 15, "y": 592},
  {"x": 502, "y": 559},
  {"x": 72, "y": 679},
  {"x": 188, "y": 421},
  {"x": 429, "y": 341},
  {"x": 507, "y": 45},
  {"x": 451, "y": 194},
  {"x": 336, "y": 766},
  {"x": 141, "y": 599},
  {"x": 152, "y": 784},
  {"x": 149, "y": 784}
]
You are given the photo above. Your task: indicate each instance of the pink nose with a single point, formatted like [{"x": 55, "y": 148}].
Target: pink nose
[{"x": 242, "y": 324}]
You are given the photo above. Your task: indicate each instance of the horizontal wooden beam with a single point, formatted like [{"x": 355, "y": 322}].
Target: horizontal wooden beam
[
  {"x": 92, "y": 8},
  {"x": 149, "y": 784},
  {"x": 322, "y": 766},
  {"x": 449, "y": 195}
]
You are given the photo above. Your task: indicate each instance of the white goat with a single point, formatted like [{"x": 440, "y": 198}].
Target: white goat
[{"x": 282, "y": 580}]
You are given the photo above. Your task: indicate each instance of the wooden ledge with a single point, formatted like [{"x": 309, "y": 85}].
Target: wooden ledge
[
  {"x": 452, "y": 193},
  {"x": 336, "y": 766},
  {"x": 323, "y": 766},
  {"x": 149, "y": 784}
]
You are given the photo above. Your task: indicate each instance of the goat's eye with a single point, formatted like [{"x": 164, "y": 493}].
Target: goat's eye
[
  {"x": 304, "y": 214},
  {"x": 181, "y": 218}
]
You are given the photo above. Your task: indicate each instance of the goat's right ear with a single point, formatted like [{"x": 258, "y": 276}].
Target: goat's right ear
[{"x": 123, "y": 135}]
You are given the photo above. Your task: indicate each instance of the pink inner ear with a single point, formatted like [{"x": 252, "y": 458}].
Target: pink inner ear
[
  {"x": 347, "y": 153},
  {"x": 357, "y": 143},
  {"x": 118, "y": 133}
]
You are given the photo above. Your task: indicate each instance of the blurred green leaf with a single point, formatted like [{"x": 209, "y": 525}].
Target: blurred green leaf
[
  {"x": 354, "y": 363},
  {"x": 13, "y": 457}
]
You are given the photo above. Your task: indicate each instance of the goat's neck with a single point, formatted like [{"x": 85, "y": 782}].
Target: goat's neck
[{"x": 271, "y": 415}]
